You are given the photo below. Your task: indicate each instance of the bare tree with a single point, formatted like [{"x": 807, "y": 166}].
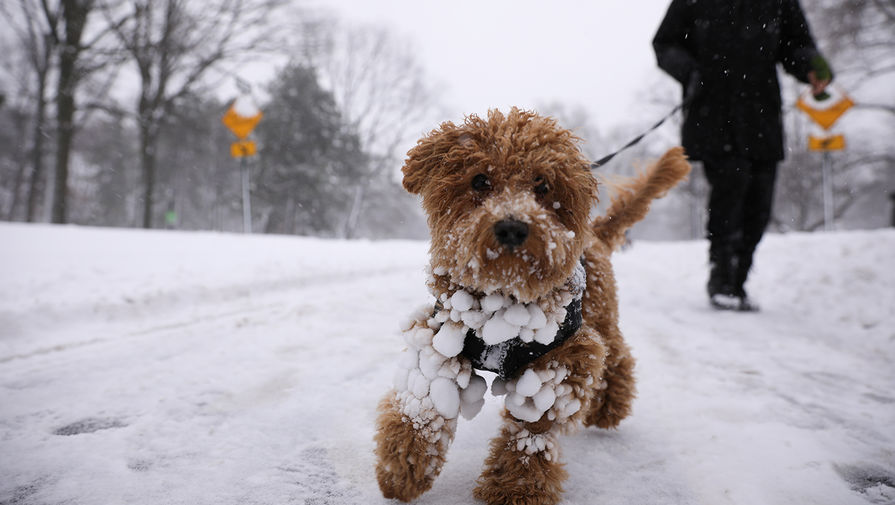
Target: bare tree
[
  {"x": 57, "y": 42},
  {"x": 858, "y": 172},
  {"x": 575, "y": 117},
  {"x": 35, "y": 24},
  {"x": 858, "y": 37},
  {"x": 17, "y": 114},
  {"x": 381, "y": 93},
  {"x": 174, "y": 44},
  {"x": 73, "y": 17}
]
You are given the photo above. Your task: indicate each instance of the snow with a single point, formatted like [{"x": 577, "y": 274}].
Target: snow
[
  {"x": 493, "y": 302},
  {"x": 432, "y": 386},
  {"x": 528, "y": 384},
  {"x": 501, "y": 317},
  {"x": 191, "y": 368},
  {"x": 533, "y": 394},
  {"x": 497, "y": 329},
  {"x": 446, "y": 397},
  {"x": 462, "y": 301},
  {"x": 546, "y": 334},
  {"x": 537, "y": 320},
  {"x": 517, "y": 315},
  {"x": 245, "y": 106},
  {"x": 449, "y": 339}
]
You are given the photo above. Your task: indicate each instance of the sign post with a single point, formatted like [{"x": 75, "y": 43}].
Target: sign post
[
  {"x": 246, "y": 197},
  {"x": 241, "y": 118},
  {"x": 828, "y": 191},
  {"x": 825, "y": 113}
]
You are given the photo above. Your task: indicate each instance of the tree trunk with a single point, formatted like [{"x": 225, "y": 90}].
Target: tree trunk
[
  {"x": 65, "y": 106},
  {"x": 37, "y": 170},
  {"x": 19, "y": 123},
  {"x": 147, "y": 164},
  {"x": 355, "y": 210},
  {"x": 74, "y": 12},
  {"x": 16, "y": 188}
]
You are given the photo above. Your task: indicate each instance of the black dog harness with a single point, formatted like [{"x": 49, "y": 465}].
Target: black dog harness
[{"x": 507, "y": 358}]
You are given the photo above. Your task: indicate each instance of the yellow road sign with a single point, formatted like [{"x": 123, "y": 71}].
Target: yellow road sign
[
  {"x": 241, "y": 126},
  {"x": 834, "y": 143},
  {"x": 825, "y": 114},
  {"x": 243, "y": 148}
]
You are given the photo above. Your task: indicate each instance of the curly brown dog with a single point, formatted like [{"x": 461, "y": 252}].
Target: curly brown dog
[{"x": 524, "y": 288}]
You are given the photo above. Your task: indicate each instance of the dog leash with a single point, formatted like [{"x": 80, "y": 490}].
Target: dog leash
[{"x": 605, "y": 159}]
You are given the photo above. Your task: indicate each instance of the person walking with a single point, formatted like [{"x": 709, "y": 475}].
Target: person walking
[{"x": 724, "y": 53}]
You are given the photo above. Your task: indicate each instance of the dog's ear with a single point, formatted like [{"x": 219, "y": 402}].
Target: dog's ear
[{"x": 430, "y": 154}]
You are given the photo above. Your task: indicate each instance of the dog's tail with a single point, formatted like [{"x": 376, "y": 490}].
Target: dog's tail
[{"x": 634, "y": 198}]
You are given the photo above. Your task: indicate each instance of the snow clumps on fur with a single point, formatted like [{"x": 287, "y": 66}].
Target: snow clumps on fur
[
  {"x": 496, "y": 317},
  {"x": 433, "y": 384},
  {"x": 530, "y": 443},
  {"x": 539, "y": 392}
]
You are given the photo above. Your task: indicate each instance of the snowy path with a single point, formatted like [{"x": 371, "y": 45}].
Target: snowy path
[{"x": 177, "y": 368}]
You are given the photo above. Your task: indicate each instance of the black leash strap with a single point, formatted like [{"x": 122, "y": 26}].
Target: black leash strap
[{"x": 605, "y": 159}]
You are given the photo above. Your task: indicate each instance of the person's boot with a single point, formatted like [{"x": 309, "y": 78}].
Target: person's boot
[
  {"x": 741, "y": 273},
  {"x": 721, "y": 286}
]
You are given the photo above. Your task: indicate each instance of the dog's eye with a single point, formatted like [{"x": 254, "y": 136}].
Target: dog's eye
[
  {"x": 481, "y": 183},
  {"x": 541, "y": 186}
]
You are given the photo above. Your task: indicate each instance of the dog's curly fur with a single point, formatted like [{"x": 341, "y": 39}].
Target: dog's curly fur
[{"x": 535, "y": 173}]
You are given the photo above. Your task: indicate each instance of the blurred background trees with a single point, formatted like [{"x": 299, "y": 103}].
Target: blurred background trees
[
  {"x": 110, "y": 115},
  {"x": 309, "y": 158},
  {"x": 858, "y": 38},
  {"x": 173, "y": 44}
]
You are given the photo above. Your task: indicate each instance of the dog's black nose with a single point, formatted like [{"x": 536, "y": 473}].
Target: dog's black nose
[{"x": 510, "y": 232}]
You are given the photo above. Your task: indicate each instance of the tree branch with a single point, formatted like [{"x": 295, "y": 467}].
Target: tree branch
[{"x": 52, "y": 20}]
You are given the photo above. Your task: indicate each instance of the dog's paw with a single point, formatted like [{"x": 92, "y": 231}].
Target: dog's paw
[
  {"x": 526, "y": 480},
  {"x": 522, "y": 469},
  {"x": 409, "y": 455},
  {"x": 602, "y": 416},
  {"x": 398, "y": 486},
  {"x": 612, "y": 403},
  {"x": 405, "y": 475}
]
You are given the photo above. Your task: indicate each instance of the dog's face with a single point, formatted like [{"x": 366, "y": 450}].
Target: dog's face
[{"x": 507, "y": 200}]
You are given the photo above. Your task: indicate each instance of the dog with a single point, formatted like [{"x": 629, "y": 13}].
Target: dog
[{"x": 524, "y": 288}]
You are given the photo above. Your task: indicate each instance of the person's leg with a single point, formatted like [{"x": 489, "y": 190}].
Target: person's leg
[
  {"x": 759, "y": 200},
  {"x": 729, "y": 181}
]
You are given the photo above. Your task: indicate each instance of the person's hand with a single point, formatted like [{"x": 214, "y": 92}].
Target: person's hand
[
  {"x": 819, "y": 77},
  {"x": 818, "y": 85}
]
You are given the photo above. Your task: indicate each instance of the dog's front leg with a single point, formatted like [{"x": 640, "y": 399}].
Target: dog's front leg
[
  {"x": 523, "y": 466},
  {"x": 410, "y": 453},
  {"x": 417, "y": 420},
  {"x": 549, "y": 397}
]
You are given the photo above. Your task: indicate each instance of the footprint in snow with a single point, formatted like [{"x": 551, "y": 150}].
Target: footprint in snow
[
  {"x": 875, "y": 483},
  {"x": 22, "y": 495},
  {"x": 316, "y": 477},
  {"x": 89, "y": 425}
]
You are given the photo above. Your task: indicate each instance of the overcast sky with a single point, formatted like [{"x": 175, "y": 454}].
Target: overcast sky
[{"x": 499, "y": 53}]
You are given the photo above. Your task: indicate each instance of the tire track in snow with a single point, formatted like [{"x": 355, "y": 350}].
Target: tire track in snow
[{"x": 232, "y": 295}]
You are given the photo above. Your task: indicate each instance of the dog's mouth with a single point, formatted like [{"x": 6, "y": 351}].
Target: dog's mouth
[{"x": 511, "y": 257}]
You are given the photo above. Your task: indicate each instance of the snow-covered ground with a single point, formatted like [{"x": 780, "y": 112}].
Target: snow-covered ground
[{"x": 201, "y": 368}]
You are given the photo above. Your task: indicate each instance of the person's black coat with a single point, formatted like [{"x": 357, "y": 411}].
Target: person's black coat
[{"x": 725, "y": 54}]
